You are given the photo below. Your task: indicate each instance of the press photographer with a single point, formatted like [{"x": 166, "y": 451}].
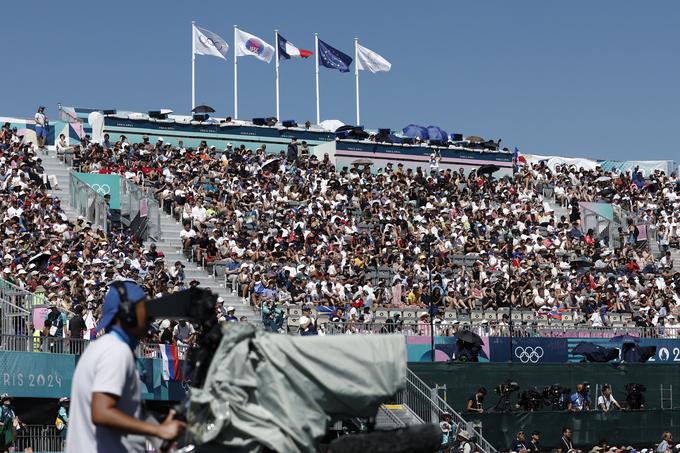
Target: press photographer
[
  {"x": 106, "y": 401},
  {"x": 606, "y": 400}
]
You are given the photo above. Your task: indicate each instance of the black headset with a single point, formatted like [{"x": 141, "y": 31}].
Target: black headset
[{"x": 126, "y": 310}]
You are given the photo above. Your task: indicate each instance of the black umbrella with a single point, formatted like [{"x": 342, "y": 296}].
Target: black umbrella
[
  {"x": 595, "y": 353},
  {"x": 203, "y": 109},
  {"x": 469, "y": 337},
  {"x": 40, "y": 259},
  {"x": 581, "y": 262},
  {"x": 488, "y": 169},
  {"x": 624, "y": 339},
  {"x": 271, "y": 164}
]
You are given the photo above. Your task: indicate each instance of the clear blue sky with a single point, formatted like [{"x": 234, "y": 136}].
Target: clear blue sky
[{"x": 577, "y": 78}]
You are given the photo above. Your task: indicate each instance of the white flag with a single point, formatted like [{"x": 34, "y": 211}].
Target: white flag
[
  {"x": 208, "y": 43},
  {"x": 367, "y": 60},
  {"x": 247, "y": 44}
]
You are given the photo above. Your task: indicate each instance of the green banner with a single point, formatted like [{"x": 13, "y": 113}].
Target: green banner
[
  {"x": 46, "y": 375},
  {"x": 103, "y": 185},
  {"x": 635, "y": 428}
]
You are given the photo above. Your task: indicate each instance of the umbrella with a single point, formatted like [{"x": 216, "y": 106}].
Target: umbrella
[
  {"x": 437, "y": 133},
  {"x": 203, "y": 109},
  {"x": 607, "y": 192},
  {"x": 345, "y": 128},
  {"x": 603, "y": 179},
  {"x": 484, "y": 169},
  {"x": 595, "y": 353},
  {"x": 415, "y": 131},
  {"x": 469, "y": 337},
  {"x": 27, "y": 136},
  {"x": 331, "y": 125},
  {"x": 581, "y": 262},
  {"x": 474, "y": 139},
  {"x": 363, "y": 162},
  {"x": 624, "y": 339},
  {"x": 40, "y": 259},
  {"x": 271, "y": 164}
]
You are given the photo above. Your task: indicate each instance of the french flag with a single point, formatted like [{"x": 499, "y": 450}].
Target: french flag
[
  {"x": 287, "y": 50},
  {"x": 170, "y": 359}
]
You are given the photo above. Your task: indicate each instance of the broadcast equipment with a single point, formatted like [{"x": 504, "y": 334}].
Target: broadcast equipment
[
  {"x": 271, "y": 121},
  {"x": 200, "y": 116},
  {"x": 289, "y": 123},
  {"x": 530, "y": 400},
  {"x": 504, "y": 390},
  {"x": 556, "y": 397},
  {"x": 259, "y": 121},
  {"x": 635, "y": 397},
  {"x": 109, "y": 112}
]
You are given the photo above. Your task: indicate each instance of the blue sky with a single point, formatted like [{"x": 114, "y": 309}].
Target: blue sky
[{"x": 578, "y": 78}]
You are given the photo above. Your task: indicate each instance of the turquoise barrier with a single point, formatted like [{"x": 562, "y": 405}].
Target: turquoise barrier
[
  {"x": 45, "y": 375},
  {"x": 103, "y": 185}
]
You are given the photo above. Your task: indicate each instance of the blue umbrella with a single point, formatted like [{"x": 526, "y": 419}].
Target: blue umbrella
[
  {"x": 415, "y": 131},
  {"x": 437, "y": 133},
  {"x": 625, "y": 339}
]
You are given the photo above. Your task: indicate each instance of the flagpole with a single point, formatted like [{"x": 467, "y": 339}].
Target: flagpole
[
  {"x": 235, "y": 76},
  {"x": 276, "y": 46},
  {"x": 193, "y": 64},
  {"x": 316, "y": 49},
  {"x": 356, "y": 75}
]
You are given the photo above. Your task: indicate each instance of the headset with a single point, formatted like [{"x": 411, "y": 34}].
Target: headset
[{"x": 126, "y": 310}]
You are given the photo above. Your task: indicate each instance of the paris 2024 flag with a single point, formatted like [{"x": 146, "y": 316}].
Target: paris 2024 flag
[{"x": 250, "y": 45}]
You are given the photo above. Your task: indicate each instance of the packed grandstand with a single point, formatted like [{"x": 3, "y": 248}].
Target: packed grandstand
[{"x": 313, "y": 249}]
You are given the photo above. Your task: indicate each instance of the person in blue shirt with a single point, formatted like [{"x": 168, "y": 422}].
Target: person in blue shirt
[
  {"x": 519, "y": 444},
  {"x": 580, "y": 400}
]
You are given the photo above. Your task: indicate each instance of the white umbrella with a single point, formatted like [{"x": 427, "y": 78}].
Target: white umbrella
[
  {"x": 603, "y": 179},
  {"x": 331, "y": 125}
]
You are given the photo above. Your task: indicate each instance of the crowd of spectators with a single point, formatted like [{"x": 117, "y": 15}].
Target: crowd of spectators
[{"x": 293, "y": 229}]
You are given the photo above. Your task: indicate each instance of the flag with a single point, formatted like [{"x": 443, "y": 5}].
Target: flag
[
  {"x": 367, "y": 60},
  {"x": 208, "y": 43},
  {"x": 331, "y": 57},
  {"x": 170, "y": 360},
  {"x": 288, "y": 50},
  {"x": 247, "y": 44}
]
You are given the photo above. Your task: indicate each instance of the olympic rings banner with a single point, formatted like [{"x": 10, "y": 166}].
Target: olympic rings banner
[
  {"x": 532, "y": 350},
  {"x": 104, "y": 185}
]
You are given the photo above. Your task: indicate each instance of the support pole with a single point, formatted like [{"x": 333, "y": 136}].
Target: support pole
[
  {"x": 316, "y": 49},
  {"x": 235, "y": 76}
]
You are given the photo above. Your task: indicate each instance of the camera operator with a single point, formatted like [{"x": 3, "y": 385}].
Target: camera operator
[
  {"x": 606, "y": 400},
  {"x": 580, "y": 399},
  {"x": 476, "y": 401},
  {"x": 106, "y": 401}
]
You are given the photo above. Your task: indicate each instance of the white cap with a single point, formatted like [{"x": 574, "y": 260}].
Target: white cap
[
  {"x": 220, "y": 300},
  {"x": 230, "y": 308},
  {"x": 304, "y": 321}
]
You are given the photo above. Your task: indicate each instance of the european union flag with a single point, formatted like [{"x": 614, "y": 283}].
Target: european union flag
[{"x": 331, "y": 57}]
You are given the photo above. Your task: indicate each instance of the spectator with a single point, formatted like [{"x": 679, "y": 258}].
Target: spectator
[
  {"x": 41, "y": 127},
  {"x": 666, "y": 444},
  {"x": 231, "y": 315},
  {"x": 463, "y": 441},
  {"x": 184, "y": 333},
  {"x": 606, "y": 400},
  {"x": 292, "y": 153},
  {"x": 76, "y": 328}
]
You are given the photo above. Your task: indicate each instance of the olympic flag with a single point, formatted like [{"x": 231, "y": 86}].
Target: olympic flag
[
  {"x": 204, "y": 42},
  {"x": 367, "y": 60}
]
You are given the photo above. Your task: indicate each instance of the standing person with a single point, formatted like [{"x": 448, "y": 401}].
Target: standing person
[
  {"x": 41, "y": 126},
  {"x": 76, "y": 328},
  {"x": 475, "y": 402},
  {"x": 57, "y": 322},
  {"x": 292, "y": 153},
  {"x": 606, "y": 400},
  {"x": 519, "y": 444},
  {"x": 107, "y": 401},
  {"x": 7, "y": 416},
  {"x": 62, "y": 417}
]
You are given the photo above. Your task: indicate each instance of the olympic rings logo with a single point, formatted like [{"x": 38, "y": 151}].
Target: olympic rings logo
[
  {"x": 102, "y": 189},
  {"x": 529, "y": 354},
  {"x": 209, "y": 42}
]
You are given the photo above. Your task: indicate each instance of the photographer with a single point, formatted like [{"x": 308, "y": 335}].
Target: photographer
[
  {"x": 476, "y": 401},
  {"x": 580, "y": 399},
  {"x": 606, "y": 400},
  {"x": 106, "y": 401}
]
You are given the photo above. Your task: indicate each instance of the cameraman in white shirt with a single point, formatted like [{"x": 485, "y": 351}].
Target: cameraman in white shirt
[{"x": 606, "y": 400}]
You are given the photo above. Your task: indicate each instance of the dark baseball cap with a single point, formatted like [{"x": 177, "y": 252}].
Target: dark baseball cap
[{"x": 112, "y": 302}]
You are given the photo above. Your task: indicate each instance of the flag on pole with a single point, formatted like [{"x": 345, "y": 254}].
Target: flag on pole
[
  {"x": 331, "y": 57},
  {"x": 247, "y": 44},
  {"x": 208, "y": 43},
  {"x": 170, "y": 360},
  {"x": 288, "y": 50},
  {"x": 367, "y": 60}
]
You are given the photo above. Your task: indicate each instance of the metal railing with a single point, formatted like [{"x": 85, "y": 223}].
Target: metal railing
[
  {"x": 430, "y": 407},
  {"x": 138, "y": 201},
  {"x": 39, "y": 438},
  {"x": 88, "y": 203},
  {"x": 66, "y": 345},
  {"x": 15, "y": 305},
  {"x": 520, "y": 331}
]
